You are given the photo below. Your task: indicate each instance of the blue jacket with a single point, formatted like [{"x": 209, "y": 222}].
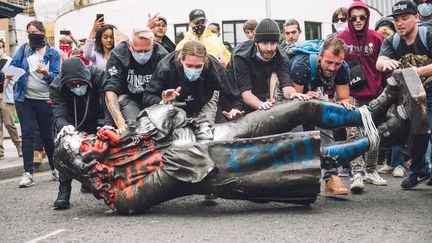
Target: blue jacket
[{"x": 20, "y": 60}]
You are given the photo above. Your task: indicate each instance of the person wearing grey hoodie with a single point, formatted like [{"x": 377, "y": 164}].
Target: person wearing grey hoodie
[{"x": 78, "y": 105}]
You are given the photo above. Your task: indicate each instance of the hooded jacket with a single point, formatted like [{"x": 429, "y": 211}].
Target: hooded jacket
[
  {"x": 213, "y": 44},
  {"x": 364, "y": 46},
  {"x": 170, "y": 75},
  {"x": 70, "y": 109}
]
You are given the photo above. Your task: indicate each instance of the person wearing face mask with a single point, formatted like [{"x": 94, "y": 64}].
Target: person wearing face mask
[
  {"x": 42, "y": 65},
  {"x": 253, "y": 63},
  {"x": 130, "y": 67},
  {"x": 339, "y": 20},
  {"x": 424, "y": 8},
  {"x": 198, "y": 31},
  {"x": 77, "y": 101},
  {"x": 191, "y": 76},
  {"x": 366, "y": 84}
]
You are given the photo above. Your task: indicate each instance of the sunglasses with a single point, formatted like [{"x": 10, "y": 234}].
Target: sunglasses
[
  {"x": 343, "y": 19},
  {"x": 361, "y": 17}
]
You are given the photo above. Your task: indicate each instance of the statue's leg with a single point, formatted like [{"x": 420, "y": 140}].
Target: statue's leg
[{"x": 285, "y": 116}]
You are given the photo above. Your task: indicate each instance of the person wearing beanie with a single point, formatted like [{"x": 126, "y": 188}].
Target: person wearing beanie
[
  {"x": 254, "y": 61},
  {"x": 413, "y": 43},
  {"x": 385, "y": 26}
]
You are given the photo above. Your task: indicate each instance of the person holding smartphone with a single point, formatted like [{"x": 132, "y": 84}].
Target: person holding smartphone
[{"x": 99, "y": 43}]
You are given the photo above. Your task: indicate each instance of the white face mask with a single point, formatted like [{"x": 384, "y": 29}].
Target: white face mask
[{"x": 340, "y": 26}]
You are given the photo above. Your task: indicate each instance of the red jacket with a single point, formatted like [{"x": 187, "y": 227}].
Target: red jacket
[{"x": 365, "y": 47}]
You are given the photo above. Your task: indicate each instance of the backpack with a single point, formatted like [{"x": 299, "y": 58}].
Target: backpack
[
  {"x": 423, "y": 38},
  {"x": 310, "y": 47}
]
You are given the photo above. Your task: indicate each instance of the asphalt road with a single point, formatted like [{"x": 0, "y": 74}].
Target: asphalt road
[{"x": 381, "y": 214}]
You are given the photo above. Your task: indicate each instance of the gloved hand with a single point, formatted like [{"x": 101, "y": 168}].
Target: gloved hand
[{"x": 69, "y": 129}]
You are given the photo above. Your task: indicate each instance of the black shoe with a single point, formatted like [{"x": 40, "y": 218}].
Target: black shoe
[
  {"x": 429, "y": 182},
  {"x": 62, "y": 201},
  {"x": 414, "y": 180},
  {"x": 85, "y": 189}
]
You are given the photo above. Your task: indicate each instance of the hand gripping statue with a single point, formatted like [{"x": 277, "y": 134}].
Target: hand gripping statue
[{"x": 165, "y": 154}]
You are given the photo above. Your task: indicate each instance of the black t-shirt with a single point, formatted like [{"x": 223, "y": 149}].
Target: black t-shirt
[
  {"x": 301, "y": 74},
  {"x": 126, "y": 75},
  {"x": 417, "y": 48},
  {"x": 252, "y": 74}
]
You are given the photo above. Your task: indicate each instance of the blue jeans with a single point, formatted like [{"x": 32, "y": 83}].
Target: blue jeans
[
  {"x": 30, "y": 112},
  {"x": 395, "y": 156}
]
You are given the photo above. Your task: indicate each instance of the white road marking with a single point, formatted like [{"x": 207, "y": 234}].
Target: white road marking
[{"x": 46, "y": 236}]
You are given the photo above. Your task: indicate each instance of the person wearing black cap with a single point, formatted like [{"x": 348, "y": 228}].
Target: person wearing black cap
[
  {"x": 198, "y": 31},
  {"x": 254, "y": 61},
  {"x": 410, "y": 42},
  {"x": 77, "y": 102},
  {"x": 160, "y": 34}
]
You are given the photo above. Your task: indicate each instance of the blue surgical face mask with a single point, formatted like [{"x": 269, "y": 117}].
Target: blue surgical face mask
[
  {"x": 191, "y": 73},
  {"x": 260, "y": 57},
  {"x": 142, "y": 58},
  {"x": 80, "y": 91},
  {"x": 425, "y": 9}
]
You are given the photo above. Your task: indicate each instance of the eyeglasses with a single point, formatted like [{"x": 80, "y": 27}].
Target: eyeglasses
[
  {"x": 361, "y": 17},
  {"x": 343, "y": 19}
]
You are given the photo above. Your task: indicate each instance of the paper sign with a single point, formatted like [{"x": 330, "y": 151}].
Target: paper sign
[{"x": 13, "y": 71}]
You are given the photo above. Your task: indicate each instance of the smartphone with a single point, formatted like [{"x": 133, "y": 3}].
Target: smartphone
[
  {"x": 64, "y": 32},
  {"x": 98, "y": 16}
]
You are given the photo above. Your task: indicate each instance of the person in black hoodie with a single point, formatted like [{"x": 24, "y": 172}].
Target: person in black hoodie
[
  {"x": 130, "y": 67},
  {"x": 77, "y": 96},
  {"x": 191, "y": 76}
]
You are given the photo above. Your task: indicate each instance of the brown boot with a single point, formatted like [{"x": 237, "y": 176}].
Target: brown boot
[
  {"x": 334, "y": 187},
  {"x": 37, "y": 157}
]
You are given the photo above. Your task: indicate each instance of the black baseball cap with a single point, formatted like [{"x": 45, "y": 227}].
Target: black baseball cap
[
  {"x": 404, "y": 7},
  {"x": 197, "y": 15}
]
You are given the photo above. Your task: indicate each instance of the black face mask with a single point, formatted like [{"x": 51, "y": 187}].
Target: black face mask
[
  {"x": 199, "y": 29},
  {"x": 36, "y": 40}
]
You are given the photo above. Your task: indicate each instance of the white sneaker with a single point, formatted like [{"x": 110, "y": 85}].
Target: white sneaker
[
  {"x": 375, "y": 178},
  {"x": 27, "y": 180},
  {"x": 386, "y": 169},
  {"x": 357, "y": 186},
  {"x": 399, "y": 171},
  {"x": 55, "y": 175}
]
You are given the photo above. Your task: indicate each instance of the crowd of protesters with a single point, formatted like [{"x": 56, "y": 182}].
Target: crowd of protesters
[{"x": 91, "y": 83}]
